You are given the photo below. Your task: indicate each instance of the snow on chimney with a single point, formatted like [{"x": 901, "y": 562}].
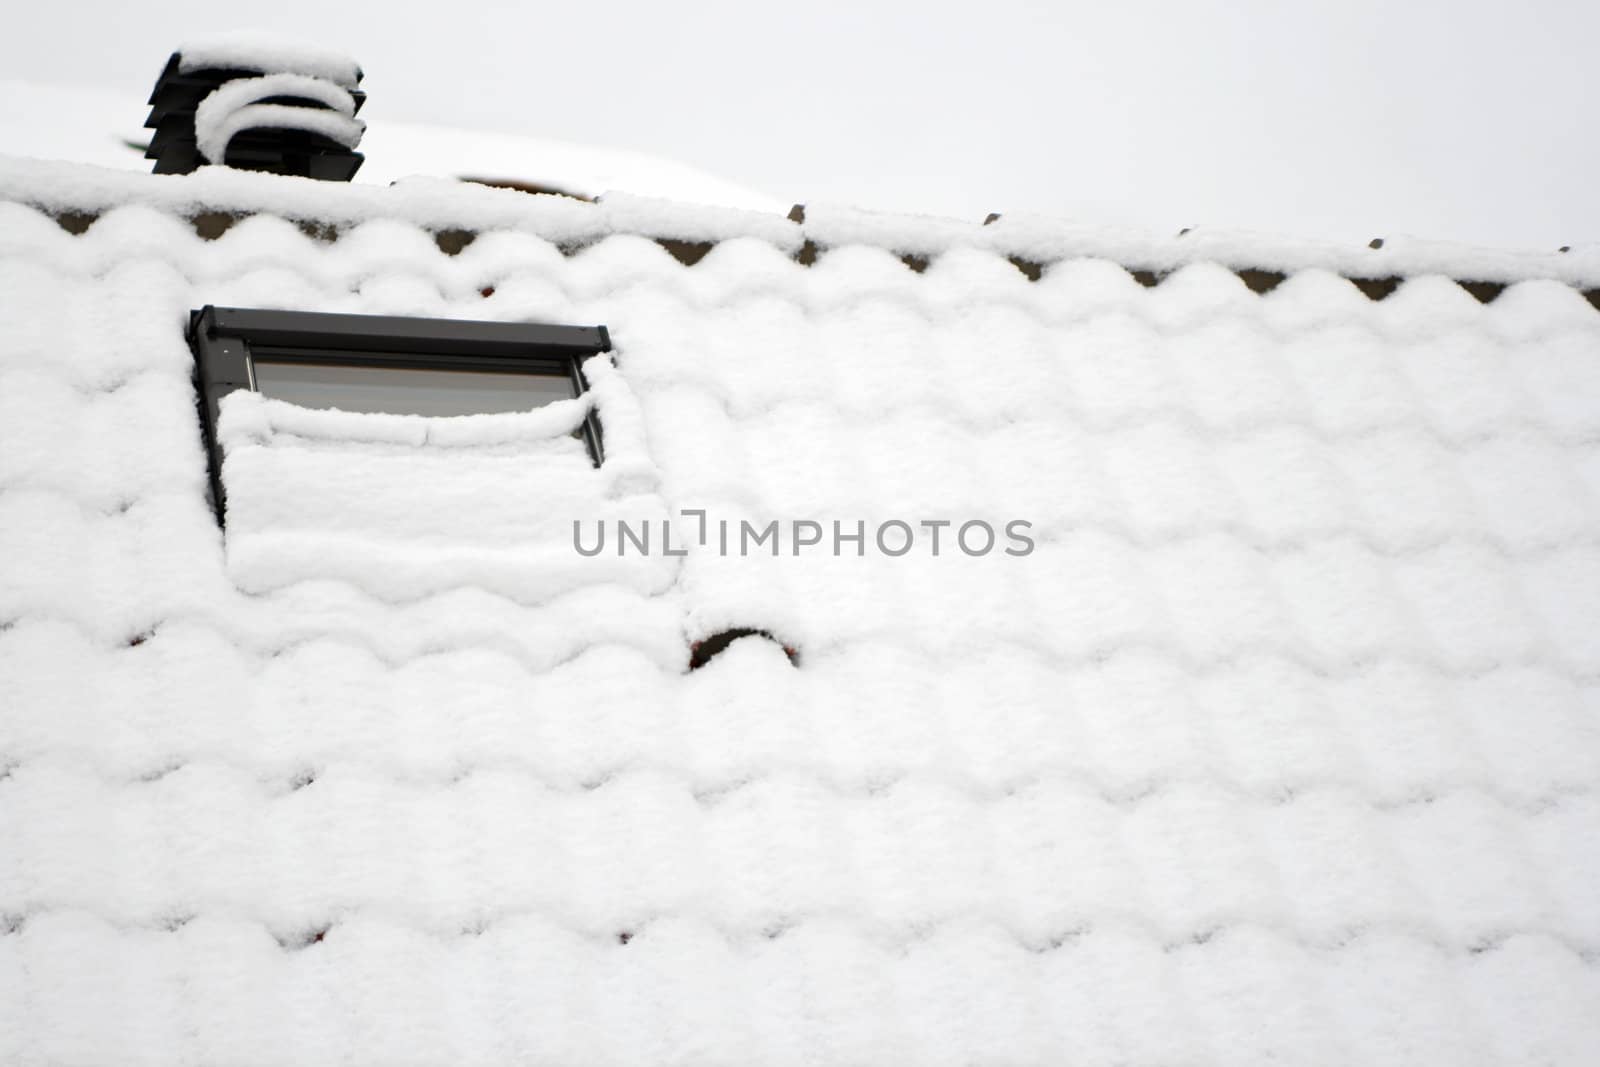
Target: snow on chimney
[{"x": 257, "y": 103}]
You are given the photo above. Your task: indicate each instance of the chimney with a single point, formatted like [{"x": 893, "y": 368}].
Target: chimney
[{"x": 256, "y": 103}]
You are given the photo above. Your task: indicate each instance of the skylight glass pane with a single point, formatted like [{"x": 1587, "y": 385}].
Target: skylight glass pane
[{"x": 407, "y": 391}]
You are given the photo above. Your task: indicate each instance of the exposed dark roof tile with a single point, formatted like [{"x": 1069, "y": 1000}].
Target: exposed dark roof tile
[
  {"x": 1377, "y": 288},
  {"x": 1261, "y": 281},
  {"x": 1033, "y": 271},
  {"x": 686, "y": 252},
  {"x": 76, "y": 222},
  {"x": 452, "y": 242},
  {"x": 209, "y": 225},
  {"x": 1483, "y": 292}
]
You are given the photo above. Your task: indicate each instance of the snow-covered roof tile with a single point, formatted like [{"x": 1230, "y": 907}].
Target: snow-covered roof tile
[{"x": 1278, "y": 745}]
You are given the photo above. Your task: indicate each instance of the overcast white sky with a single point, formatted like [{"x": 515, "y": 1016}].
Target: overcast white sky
[{"x": 1345, "y": 119}]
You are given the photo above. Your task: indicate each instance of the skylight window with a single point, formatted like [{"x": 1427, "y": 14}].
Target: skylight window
[
  {"x": 403, "y": 366},
  {"x": 407, "y": 390}
]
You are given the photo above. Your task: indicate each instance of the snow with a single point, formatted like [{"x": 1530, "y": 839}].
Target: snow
[
  {"x": 397, "y": 150},
  {"x": 418, "y": 506},
  {"x": 269, "y": 54},
  {"x": 1044, "y": 240},
  {"x": 1282, "y": 747},
  {"x": 335, "y": 127},
  {"x": 232, "y": 107}
]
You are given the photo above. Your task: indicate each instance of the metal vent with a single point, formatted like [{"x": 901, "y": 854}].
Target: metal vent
[{"x": 277, "y": 149}]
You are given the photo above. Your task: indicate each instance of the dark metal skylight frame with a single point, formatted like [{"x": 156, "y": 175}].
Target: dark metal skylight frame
[{"x": 228, "y": 341}]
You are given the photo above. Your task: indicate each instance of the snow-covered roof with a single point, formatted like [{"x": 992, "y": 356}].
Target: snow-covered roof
[{"x": 1281, "y": 745}]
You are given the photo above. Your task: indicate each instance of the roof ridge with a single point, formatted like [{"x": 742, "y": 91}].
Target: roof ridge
[{"x": 1029, "y": 241}]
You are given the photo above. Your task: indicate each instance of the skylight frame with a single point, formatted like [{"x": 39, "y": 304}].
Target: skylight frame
[{"x": 226, "y": 343}]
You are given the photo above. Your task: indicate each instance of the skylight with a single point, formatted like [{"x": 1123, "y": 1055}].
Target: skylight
[{"x": 395, "y": 365}]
